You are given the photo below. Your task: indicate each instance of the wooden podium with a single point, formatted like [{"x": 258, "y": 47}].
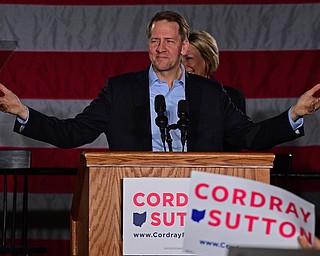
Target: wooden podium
[{"x": 96, "y": 208}]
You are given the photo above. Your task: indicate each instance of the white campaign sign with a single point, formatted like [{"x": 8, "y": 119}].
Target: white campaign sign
[
  {"x": 225, "y": 211},
  {"x": 154, "y": 213}
]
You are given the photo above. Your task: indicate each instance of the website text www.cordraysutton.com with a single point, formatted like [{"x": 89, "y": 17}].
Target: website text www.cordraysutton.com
[
  {"x": 216, "y": 244},
  {"x": 159, "y": 235},
  {"x": 180, "y": 236}
]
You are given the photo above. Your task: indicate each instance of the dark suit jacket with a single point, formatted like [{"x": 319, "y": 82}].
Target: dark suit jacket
[
  {"x": 238, "y": 99},
  {"x": 122, "y": 112}
]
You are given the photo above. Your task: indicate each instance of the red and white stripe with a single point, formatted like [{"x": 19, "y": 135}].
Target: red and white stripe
[{"x": 67, "y": 49}]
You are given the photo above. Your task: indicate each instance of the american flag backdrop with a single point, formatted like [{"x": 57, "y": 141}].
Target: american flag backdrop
[{"x": 68, "y": 48}]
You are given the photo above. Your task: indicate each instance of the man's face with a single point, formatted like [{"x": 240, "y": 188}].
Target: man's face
[{"x": 165, "y": 46}]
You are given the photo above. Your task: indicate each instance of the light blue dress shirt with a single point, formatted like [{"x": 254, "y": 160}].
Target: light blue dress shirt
[{"x": 172, "y": 97}]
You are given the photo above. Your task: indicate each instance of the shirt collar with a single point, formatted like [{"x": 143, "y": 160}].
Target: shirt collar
[{"x": 154, "y": 78}]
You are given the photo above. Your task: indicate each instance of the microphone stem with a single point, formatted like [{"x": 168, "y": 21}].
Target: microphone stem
[
  {"x": 163, "y": 138},
  {"x": 169, "y": 140},
  {"x": 183, "y": 140}
]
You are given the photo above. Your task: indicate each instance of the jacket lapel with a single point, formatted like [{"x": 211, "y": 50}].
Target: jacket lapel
[
  {"x": 140, "y": 94},
  {"x": 193, "y": 96}
]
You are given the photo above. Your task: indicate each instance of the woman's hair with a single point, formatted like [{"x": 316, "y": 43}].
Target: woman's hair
[
  {"x": 208, "y": 48},
  {"x": 172, "y": 17}
]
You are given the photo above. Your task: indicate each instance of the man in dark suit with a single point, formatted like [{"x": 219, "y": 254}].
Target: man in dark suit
[{"x": 124, "y": 111}]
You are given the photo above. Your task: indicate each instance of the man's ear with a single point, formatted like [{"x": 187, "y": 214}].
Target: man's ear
[{"x": 185, "y": 45}]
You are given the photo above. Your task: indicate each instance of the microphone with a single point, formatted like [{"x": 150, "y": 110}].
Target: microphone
[
  {"x": 161, "y": 119},
  {"x": 183, "y": 123}
]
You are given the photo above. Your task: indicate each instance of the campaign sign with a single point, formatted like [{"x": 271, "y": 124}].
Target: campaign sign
[
  {"x": 154, "y": 213},
  {"x": 225, "y": 211}
]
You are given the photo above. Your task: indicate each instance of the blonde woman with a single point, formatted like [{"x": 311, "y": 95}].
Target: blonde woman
[{"x": 202, "y": 58}]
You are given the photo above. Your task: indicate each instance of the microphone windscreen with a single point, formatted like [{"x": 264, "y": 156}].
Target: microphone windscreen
[
  {"x": 159, "y": 103},
  {"x": 183, "y": 107}
]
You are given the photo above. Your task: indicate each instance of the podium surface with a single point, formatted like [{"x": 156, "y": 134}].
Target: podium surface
[{"x": 96, "y": 216}]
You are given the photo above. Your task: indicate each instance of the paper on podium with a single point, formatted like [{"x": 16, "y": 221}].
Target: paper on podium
[{"x": 6, "y": 50}]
